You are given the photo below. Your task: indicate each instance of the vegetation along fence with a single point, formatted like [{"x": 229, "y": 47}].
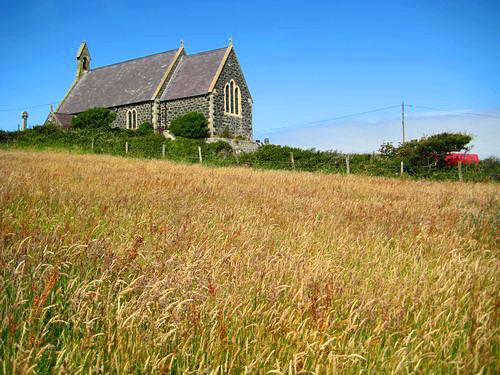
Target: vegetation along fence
[{"x": 221, "y": 154}]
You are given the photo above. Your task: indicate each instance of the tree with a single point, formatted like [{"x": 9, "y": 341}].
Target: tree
[
  {"x": 94, "y": 118},
  {"x": 428, "y": 151},
  {"x": 191, "y": 125}
]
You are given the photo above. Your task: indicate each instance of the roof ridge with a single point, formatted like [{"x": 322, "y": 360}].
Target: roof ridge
[
  {"x": 137, "y": 58},
  {"x": 205, "y": 52}
]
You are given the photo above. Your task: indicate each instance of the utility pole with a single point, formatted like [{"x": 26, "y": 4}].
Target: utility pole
[{"x": 403, "y": 119}]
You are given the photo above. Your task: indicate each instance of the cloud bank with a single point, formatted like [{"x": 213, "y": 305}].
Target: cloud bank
[{"x": 359, "y": 136}]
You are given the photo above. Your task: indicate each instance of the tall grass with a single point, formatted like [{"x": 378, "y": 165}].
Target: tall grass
[{"x": 123, "y": 266}]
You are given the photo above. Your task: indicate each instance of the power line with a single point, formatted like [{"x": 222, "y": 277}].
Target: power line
[
  {"x": 23, "y": 108},
  {"x": 319, "y": 122},
  {"x": 457, "y": 112}
]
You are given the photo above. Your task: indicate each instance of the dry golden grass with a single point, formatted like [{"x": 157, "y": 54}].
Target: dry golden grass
[{"x": 117, "y": 266}]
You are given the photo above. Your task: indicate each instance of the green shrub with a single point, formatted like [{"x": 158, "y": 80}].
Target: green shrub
[
  {"x": 94, "y": 118},
  {"x": 148, "y": 146},
  {"x": 192, "y": 125},
  {"x": 145, "y": 129},
  {"x": 46, "y": 129},
  {"x": 489, "y": 167},
  {"x": 6, "y": 136},
  {"x": 220, "y": 148}
]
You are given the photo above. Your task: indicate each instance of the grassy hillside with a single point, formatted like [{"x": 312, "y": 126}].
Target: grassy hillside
[{"x": 124, "y": 266}]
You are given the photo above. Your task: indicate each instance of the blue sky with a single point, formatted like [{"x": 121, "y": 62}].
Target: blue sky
[{"x": 304, "y": 61}]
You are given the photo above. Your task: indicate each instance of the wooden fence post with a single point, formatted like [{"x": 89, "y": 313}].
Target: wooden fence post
[
  {"x": 348, "y": 167},
  {"x": 92, "y": 144},
  {"x": 402, "y": 169},
  {"x": 293, "y": 161},
  {"x": 199, "y": 154},
  {"x": 126, "y": 147},
  {"x": 460, "y": 177},
  {"x": 163, "y": 150}
]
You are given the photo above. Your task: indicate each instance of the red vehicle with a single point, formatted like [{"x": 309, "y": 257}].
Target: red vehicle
[{"x": 454, "y": 158}]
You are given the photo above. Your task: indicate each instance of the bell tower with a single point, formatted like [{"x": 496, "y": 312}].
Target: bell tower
[{"x": 82, "y": 60}]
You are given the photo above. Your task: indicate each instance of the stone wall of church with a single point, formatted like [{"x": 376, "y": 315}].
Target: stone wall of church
[
  {"x": 169, "y": 111},
  {"x": 237, "y": 125},
  {"x": 144, "y": 114}
]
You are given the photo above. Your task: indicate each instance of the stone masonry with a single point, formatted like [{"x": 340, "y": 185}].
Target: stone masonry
[
  {"x": 238, "y": 126},
  {"x": 169, "y": 111},
  {"x": 144, "y": 114}
]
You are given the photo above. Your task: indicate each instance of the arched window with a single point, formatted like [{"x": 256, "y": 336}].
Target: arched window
[
  {"x": 232, "y": 98},
  {"x": 132, "y": 119},
  {"x": 237, "y": 100},
  {"x": 84, "y": 63},
  {"x": 226, "y": 98}
]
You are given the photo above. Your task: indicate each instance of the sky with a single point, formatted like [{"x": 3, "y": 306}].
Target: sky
[{"x": 304, "y": 61}]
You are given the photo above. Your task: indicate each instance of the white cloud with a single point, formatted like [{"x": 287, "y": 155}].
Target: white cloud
[{"x": 366, "y": 136}]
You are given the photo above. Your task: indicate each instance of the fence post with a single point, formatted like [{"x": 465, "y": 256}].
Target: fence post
[
  {"x": 460, "y": 177},
  {"x": 163, "y": 150},
  {"x": 199, "y": 154},
  {"x": 348, "y": 167},
  {"x": 293, "y": 161},
  {"x": 92, "y": 144},
  {"x": 402, "y": 169},
  {"x": 126, "y": 147}
]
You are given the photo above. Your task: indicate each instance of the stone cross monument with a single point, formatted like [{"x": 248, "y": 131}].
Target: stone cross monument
[{"x": 24, "y": 116}]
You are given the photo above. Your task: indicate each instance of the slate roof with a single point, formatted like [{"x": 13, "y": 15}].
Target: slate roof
[
  {"x": 64, "y": 119},
  {"x": 132, "y": 81},
  {"x": 193, "y": 74}
]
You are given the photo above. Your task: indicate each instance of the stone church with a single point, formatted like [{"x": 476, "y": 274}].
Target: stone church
[{"x": 161, "y": 87}]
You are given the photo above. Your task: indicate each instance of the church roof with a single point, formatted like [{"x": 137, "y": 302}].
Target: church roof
[
  {"x": 193, "y": 75},
  {"x": 137, "y": 80},
  {"x": 131, "y": 81}
]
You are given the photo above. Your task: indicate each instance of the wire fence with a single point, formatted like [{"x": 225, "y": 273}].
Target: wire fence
[
  {"x": 305, "y": 161},
  {"x": 364, "y": 164}
]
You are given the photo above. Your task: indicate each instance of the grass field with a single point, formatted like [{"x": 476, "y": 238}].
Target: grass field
[{"x": 124, "y": 266}]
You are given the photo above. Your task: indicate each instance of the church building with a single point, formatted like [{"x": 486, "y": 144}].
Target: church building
[{"x": 161, "y": 87}]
